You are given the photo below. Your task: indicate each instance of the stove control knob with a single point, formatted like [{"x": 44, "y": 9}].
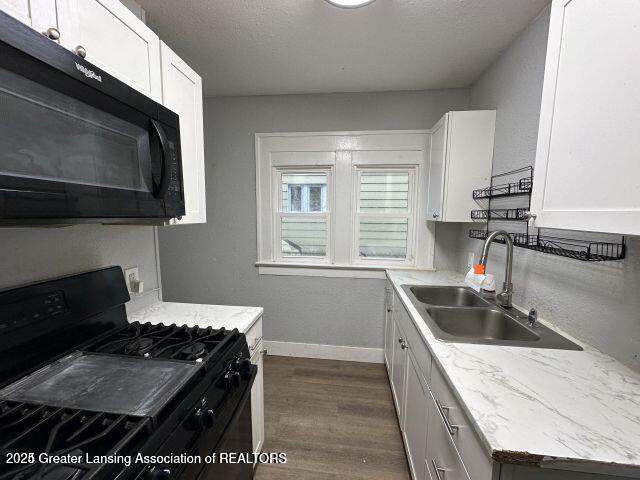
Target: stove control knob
[
  {"x": 245, "y": 365},
  {"x": 159, "y": 473},
  {"x": 208, "y": 418},
  {"x": 204, "y": 418},
  {"x": 235, "y": 379}
]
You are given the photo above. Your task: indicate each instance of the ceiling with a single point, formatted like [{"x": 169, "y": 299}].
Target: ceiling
[{"x": 256, "y": 47}]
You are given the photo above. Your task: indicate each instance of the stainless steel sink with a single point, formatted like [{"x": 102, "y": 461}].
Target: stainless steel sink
[
  {"x": 458, "y": 314},
  {"x": 448, "y": 296},
  {"x": 480, "y": 323}
]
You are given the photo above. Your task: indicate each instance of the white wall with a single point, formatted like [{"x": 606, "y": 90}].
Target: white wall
[
  {"x": 34, "y": 254},
  {"x": 596, "y": 302},
  {"x": 214, "y": 263}
]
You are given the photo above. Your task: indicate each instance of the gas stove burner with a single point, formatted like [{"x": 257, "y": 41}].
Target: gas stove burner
[
  {"x": 139, "y": 346},
  {"x": 166, "y": 341},
  {"x": 194, "y": 350}
]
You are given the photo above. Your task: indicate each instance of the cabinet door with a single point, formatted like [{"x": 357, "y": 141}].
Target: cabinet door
[
  {"x": 257, "y": 402},
  {"x": 587, "y": 170},
  {"x": 182, "y": 93},
  {"x": 38, "y": 14},
  {"x": 442, "y": 459},
  {"x": 399, "y": 369},
  {"x": 437, "y": 162},
  {"x": 115, "y": 40},
  {"x": 388, "y": 327},
  {"x": 416, "y": 419}
]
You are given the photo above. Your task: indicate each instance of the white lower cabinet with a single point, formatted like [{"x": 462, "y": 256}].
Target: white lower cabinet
[
  {"x": 254, "y": 340},
  {"x": 438, "y": 438},
  {"x": 417, "y": 415},
  {"x": 398, "y": 370},
  {"x": 388, "y": 327},
  {"x": 442, "y": 459}
]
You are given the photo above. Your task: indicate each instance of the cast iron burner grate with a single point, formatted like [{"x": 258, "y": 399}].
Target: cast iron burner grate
[
  {"x": 162, "y": 341},
  {"x": 26, "y": 427}
]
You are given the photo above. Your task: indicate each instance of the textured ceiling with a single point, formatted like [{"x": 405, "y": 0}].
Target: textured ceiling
[{"x": 253, "y": 47}]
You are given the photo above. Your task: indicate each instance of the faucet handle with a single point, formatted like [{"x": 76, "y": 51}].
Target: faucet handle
[{"x": 533, "y": 317}]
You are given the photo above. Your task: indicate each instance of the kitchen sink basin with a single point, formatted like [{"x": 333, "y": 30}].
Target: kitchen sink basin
[
  {"x": 448, "y": 296},
  {"x": 480, "y": 323},
  {"x": 458, "y": 314}
]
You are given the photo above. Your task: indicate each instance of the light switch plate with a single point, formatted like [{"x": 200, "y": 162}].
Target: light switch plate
[
  {"x": 471, "y": 259},
  {"x": 131, "y": 275}
]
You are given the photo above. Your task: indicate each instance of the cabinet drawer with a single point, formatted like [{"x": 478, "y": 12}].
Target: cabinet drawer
[
  {"x": 415, "y": 342},
  {"x": 254, "y": 335},
  {"x": 443, "y": 460},
  {"x": 458, "y": 427}
]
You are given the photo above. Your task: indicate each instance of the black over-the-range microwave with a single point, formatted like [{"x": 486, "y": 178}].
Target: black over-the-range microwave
[{"x": 76, "y": 144}]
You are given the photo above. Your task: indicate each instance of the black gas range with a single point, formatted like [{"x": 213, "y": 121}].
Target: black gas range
[{"x": 84, "y": 394}]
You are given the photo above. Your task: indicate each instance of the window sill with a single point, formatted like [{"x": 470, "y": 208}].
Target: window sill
[{"x": 335, "y": 271}]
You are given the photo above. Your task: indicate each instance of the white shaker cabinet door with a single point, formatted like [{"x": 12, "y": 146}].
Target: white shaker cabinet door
[
  {"x": 437, "y": 162},
  {"x": 416, "y": 415},
  {"x": 257, "y": 402},
  {"x": 587, "y": 170},
  {"x": 182, "y": 93},
  {"x": 115, "y": 40},
  {"x": 38, "y": 14}
]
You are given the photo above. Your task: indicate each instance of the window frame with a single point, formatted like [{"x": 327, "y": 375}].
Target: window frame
[
  {"x": 410, "y": 215},
  {"x": 279, "y": 214},
  {"x": 341, "y": 154}
]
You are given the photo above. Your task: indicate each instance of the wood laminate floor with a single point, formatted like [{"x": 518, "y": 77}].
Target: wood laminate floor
[{"x": 335, "y": 420}]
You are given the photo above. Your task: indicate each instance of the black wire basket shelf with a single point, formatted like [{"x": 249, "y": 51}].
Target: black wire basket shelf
[
  {"x": 499, "y": 214},
  {"x": 584, "y": 250},
  {"x": 520, "y": 187}
]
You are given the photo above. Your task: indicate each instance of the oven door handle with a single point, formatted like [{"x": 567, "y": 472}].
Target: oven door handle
[{"x": 161, "y": 188}]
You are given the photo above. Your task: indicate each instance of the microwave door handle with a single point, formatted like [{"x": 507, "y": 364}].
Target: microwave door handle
[{"x": 164, "y": 147}]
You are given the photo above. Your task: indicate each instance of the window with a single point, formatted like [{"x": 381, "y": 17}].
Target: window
[
  {"x": 384, "y": 214},
  {"x": 342, "y": 201},
  {"x": 303, "y": 216}
]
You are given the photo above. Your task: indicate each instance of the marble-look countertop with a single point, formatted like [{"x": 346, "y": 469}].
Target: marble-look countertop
[
  {"x": 574, "y": 410},
  {"x": 194, "y": 314}
]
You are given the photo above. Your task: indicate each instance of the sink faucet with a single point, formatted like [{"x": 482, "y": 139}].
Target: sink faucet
[{"x": 504, "y": 297}]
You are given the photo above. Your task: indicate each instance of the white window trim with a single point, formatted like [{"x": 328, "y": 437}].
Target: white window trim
[{"x": 335, "y": 151}]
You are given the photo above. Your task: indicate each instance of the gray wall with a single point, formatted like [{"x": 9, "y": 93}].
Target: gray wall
[
  {"x": 596, "y": 302},
  {"x": 214, "y": 262},
  {"x": 33, "y": 254}
]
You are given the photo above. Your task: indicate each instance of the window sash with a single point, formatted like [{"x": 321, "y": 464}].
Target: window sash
[
  {"x": 409, "y": 215},
  {"x": 279, "y": 214}
]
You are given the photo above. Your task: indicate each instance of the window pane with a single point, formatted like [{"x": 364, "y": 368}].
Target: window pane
[
  {"x": 315, "y": 198},
  {"x": 304, "y": 237},
  {"x": 383, "y": 237},
  {"x": 384, "y": 192},
  {"x": 295, "y": 198},
  {"x": 304, "y": 192}
]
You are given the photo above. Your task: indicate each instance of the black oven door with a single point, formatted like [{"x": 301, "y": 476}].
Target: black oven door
[{"x": 76, "y": 144}]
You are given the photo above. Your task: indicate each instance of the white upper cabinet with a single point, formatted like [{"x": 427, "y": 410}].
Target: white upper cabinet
[
  {"x": 587, "y": 170},
  {"x": 38, "y": 14},
  {"x": 182, "y": 93},
  {"x": 460, "y": 161},
  {"x": 115, "y": 40}
]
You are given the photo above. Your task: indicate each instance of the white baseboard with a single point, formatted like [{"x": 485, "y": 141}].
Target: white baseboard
[{"x": 327, "y": 352}]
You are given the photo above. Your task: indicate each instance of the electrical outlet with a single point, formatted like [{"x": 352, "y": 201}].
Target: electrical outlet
[
  {"x": 471, "y": 259},
  {"x": 132, "y": 278}
]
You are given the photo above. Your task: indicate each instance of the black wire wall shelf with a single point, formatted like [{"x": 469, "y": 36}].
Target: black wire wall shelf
[
  {"x": 519, "y": 183},
  {"x": 499, "y": 214},
  {"x": 584, "y": 250},
  {"x": 521, "y": 186}
]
